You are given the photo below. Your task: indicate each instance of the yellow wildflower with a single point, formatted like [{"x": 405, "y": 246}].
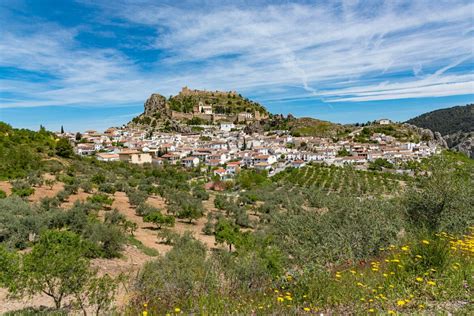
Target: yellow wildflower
[
  {"x": 405, "y": 248},
  {"x": 371, "y": 310},
  {"x": 177, "y": 310},
  {"x": 426, "y": 242},
  {"x": 419, "y": 279},
  {"x": 391, "y": 312},
  {"x": 431, "y": 283},
  {"x": 280, "y": 299},
  {"x": 306, "y": 309},
  {"x": 401, "y": 302}
]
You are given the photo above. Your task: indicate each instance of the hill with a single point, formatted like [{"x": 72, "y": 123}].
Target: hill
[
  {"x": 194, "y": 107},
  {"x": 455, "y": 124},
  {"x": 447, "y": 121},
  {"x": 303, "y": 126}
]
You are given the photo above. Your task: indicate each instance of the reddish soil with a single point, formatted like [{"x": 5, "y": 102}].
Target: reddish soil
[
  {"x": 79, "y": 196},
  {"x": 6, "y": 187},
  {"x": 145, "y": 231},
  {"x": 45, "y": 191}
]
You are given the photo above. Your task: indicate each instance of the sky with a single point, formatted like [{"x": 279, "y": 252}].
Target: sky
[{"x": 91, "y": 64}]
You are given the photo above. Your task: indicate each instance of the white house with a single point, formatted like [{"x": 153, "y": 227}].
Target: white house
[
  {"x": 384, "y": 121},
  {"x": 227, "y": 127},
  {"x": 107, "y": 157},
  {"x": 190, "y": 162}
]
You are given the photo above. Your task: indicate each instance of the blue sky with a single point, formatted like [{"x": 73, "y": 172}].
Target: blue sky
[{"x": 92, "y": 64}]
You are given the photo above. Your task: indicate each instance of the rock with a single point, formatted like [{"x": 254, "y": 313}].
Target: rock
[
  {"x": 440, "y": 140},
  {"x": 156, "y": 103},
  {"x": 463, "y": 142}
]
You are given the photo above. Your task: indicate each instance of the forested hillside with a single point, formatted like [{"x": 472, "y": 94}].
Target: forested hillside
[
  {"x": 456, "y": 125},
  {"x": 447, "y": 121}
]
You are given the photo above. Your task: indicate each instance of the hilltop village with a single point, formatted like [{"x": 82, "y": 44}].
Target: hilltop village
[{"x": 225, "y": 147}]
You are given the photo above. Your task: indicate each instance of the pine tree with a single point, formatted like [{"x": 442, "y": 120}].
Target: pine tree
[{"x": 62, "y": 130}]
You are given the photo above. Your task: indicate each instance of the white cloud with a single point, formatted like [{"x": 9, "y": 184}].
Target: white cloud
[{"x": 338, "y": 53}]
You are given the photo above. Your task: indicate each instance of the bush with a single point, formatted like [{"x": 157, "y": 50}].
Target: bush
[
  {"x": 22, "y": 188},
  {"x": 136, "y": 197},
  {"x": 2, "y": 194},
  {"x": 107, "y": 188},
  {"x": 200, "y": 192},
  {"x": 100, "y": 199},
  {"x": 181, "y": 276},
  {"x": 442, "y": 201},
  {"x": 72, "y": 188},
  {"x": 336, "y": 235},
  {"x": 19, "y": 222},
  {"x": 144, "y": 209},
  {"x": 63, "y": 195},
  {"x": 64, "y": 148},
  {"x": 159, "y": 219},
  {"x": 87, "y": 186},
  {"x": 168, "y": 237},
  {"x": 108, "y": 238}
]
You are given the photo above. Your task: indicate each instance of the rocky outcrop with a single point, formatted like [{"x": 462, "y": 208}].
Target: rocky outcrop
[
  {"x": 427, "y": 134},
  {"x": 156, "y": 103},
  {"x": 463, "y": 142}
]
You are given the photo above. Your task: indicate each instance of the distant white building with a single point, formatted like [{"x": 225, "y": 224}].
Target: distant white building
[
  {"x": 107, "y": 157},
  {"x": 190, "y": 162},
  {"x": 227, "y": 127},
  {"x": 384, "y": 122},
  {"x": 204, "y": 109}
]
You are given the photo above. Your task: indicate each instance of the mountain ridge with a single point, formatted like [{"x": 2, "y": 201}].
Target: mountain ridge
[{"x": 455, "y": 124}]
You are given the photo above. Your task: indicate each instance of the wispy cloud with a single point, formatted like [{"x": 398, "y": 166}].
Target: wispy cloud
[{"x": 345, "y": 52}]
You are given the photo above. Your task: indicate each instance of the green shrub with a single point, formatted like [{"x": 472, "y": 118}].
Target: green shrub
[
  {"x": 159, "y": 219},
  {"x": 178, "y": 278},
  {"x": 100, "y": 199},
  {"x": 22, "y": 188},
  {"x": 337, "y": 235},
  {"x": 136, "y": 197},
  {"x": 64, "y": 148}
]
